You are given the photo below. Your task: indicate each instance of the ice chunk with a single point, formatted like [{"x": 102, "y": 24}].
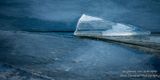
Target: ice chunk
[
  {"x": 88, "y": 26},
  {"x": 98, "y": 28},
  {"x": 89, "y": 18}
]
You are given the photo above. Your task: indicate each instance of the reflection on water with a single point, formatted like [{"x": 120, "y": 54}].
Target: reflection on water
[{"x": 65, "y": 57}]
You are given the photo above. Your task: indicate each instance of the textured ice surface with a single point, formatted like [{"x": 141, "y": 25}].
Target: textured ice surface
[
  {"x": 88, "y": 25},
  {"x": 62, "y": 56}
]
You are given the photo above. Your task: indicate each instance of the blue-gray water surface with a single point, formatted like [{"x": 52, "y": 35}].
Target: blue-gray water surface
[{"x": 62, "y": 56}]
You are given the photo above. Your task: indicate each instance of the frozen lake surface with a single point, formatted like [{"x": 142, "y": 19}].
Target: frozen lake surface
[{"x": 62, "y": 56}]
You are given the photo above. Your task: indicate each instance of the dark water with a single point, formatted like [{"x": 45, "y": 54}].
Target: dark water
[
  {"x": 62, "y": 56},
  {"x": 57, "y": 15}
]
